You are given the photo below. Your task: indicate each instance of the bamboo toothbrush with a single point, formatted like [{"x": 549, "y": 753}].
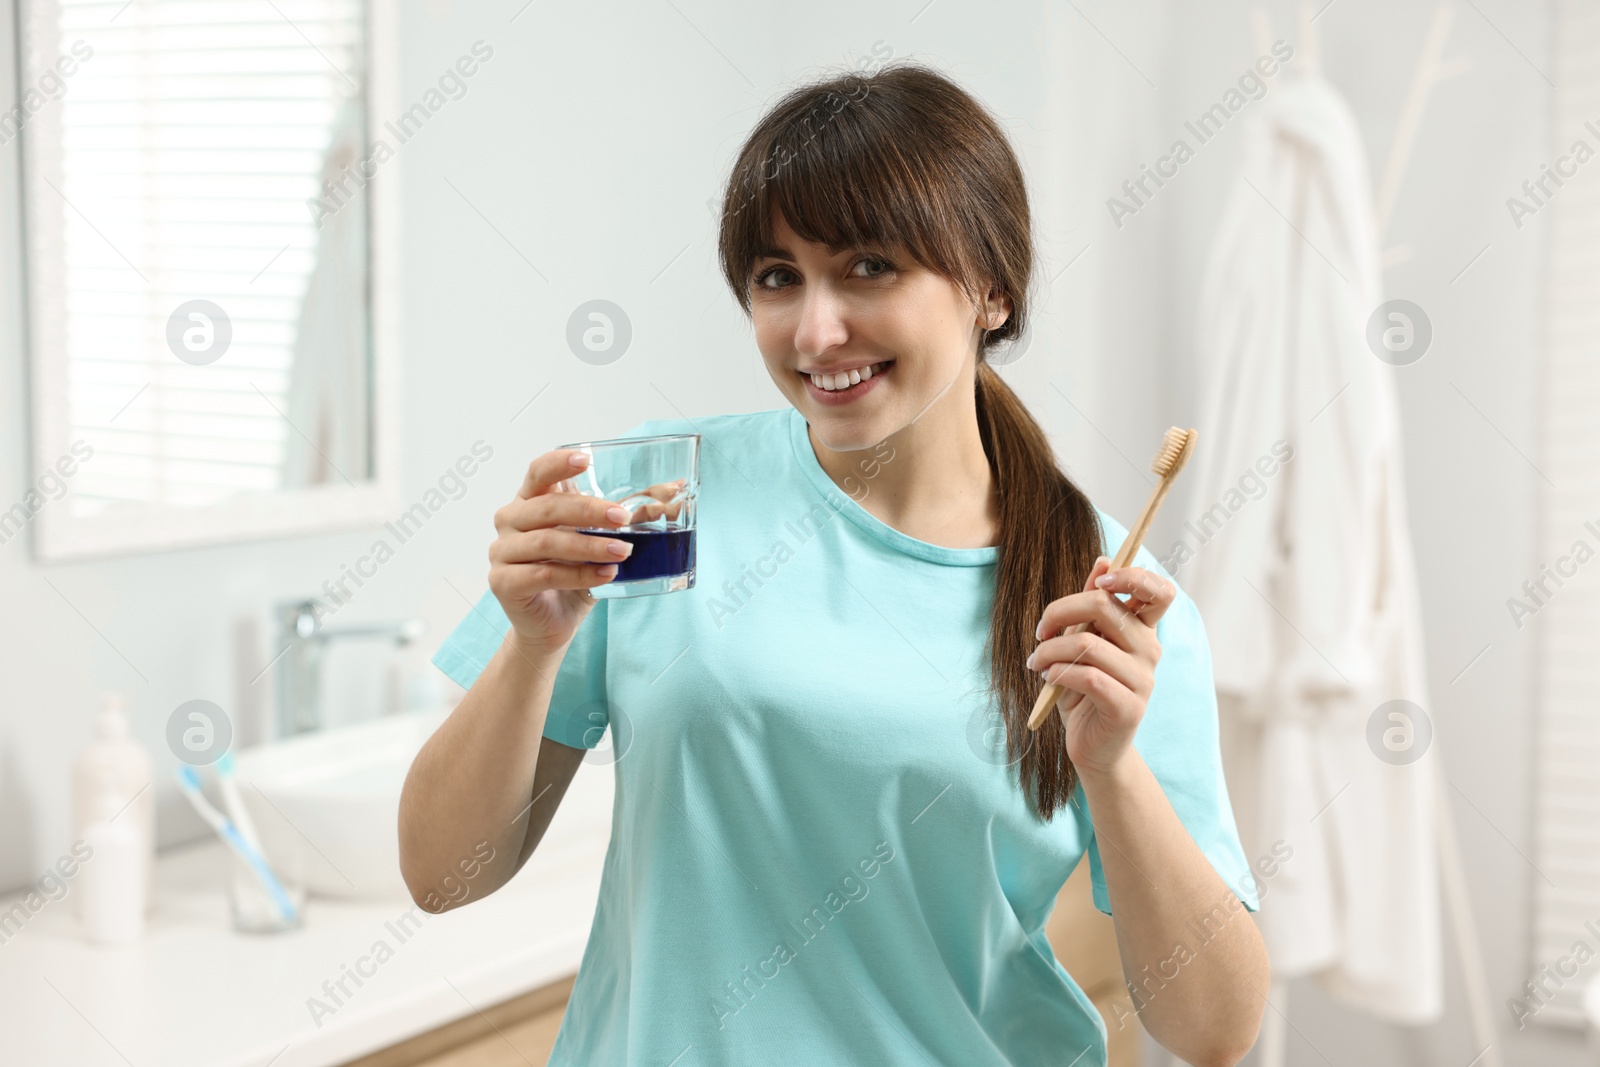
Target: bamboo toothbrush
[{"x": 1175, "y": 450}]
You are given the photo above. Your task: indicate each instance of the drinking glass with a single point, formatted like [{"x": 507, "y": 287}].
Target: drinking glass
[
  {"x": 657, "y": 479},
  {"x": 252, "y": 908}
]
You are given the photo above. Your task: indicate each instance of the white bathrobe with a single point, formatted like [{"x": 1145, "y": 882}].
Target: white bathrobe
[{"x": 1307, "y": 586}]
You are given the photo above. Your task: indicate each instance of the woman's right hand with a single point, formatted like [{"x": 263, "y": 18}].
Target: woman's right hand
[{"x": 542, "y": 573}]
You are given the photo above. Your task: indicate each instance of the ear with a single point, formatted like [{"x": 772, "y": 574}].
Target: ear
[{"x": 997, "y": 309}]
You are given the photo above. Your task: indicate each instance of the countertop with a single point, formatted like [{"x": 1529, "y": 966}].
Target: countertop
[{"x": 194, "y": 993}]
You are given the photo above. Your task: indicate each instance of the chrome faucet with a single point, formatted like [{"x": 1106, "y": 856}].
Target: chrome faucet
[{"x": 299, "y": 668}]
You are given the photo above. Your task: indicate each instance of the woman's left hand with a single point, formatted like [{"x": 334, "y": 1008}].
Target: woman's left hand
[{"x": 1108, "y": 670}]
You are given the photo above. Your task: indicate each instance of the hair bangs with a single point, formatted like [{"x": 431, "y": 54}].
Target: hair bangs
[{"x": 828, "y": 162}]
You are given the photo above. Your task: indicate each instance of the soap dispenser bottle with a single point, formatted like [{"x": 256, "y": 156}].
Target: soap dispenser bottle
[
  {"x": 111, "y": 887},
  {"x": 116, "y": 762}
]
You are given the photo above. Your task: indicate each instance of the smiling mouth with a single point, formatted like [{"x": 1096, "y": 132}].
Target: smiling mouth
[{"x": 843, "y": 383}]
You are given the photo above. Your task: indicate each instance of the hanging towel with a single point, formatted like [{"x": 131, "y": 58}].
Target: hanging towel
[
  {"x": 1305, "y": 577},
  {"x": 329, "y": 398}
]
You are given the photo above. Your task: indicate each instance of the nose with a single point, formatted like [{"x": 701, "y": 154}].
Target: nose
[{"x": 821, "y": 324}]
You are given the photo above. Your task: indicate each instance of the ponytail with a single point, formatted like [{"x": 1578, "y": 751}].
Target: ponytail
[{"x": 1050, "y": 536}]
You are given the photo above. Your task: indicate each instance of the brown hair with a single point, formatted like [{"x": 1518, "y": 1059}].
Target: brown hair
[{"x": 904, "y": 158}]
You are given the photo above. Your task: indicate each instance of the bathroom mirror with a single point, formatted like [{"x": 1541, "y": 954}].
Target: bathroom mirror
[{"x": 210, "y": 236}]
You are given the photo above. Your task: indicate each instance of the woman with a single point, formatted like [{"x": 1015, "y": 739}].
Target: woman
[{"x": 834, "y": 837}]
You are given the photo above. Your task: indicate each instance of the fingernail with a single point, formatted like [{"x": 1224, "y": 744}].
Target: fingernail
[
  {"x": 1038, "y": 631},
  {"x": 1104, "y": 580},
  {"x": 608, "y": 570},
  {"x": 617, "y": 514},
  {"x": 620, "y": 548},
  {"x": 579, "y": 459},
  {"x": 1030, "y": 663}
]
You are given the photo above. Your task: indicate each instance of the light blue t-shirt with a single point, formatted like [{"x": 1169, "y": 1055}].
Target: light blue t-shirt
[{"x": 818, "y": 855}]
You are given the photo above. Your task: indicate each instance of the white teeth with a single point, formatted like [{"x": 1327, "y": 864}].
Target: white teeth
[{"x": 835, "y": 382}]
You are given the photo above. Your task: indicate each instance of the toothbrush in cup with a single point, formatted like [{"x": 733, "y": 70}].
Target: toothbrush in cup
[
  {"x": 189, "y": 781},
  {"x": 235, "y": 802}
]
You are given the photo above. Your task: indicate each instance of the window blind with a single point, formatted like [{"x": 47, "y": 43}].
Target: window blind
[
  {"x": 184, "y": 150},
  {"x": 1567, "y": 801}
]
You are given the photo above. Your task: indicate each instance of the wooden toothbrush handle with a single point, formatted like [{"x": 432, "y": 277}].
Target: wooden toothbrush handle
[{"x": 1130, "y": 548}]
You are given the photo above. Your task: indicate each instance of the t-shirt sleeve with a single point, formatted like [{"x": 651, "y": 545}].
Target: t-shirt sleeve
[
  {"x": 579, "y": 711},
  {"x": 1178, "y": 739}
]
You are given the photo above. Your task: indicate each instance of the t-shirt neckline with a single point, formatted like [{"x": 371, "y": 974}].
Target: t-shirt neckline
[{"x": 869, "y": 523}]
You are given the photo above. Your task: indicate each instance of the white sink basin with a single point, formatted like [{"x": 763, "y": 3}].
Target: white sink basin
[{"x": 327, "y": 804}]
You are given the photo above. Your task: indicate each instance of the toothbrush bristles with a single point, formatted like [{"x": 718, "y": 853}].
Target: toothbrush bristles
[{"x": 1175, "y": 448}]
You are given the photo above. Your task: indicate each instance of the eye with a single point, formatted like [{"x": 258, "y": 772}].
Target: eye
[
  {"x": 759, "y": 281},
  {"x": 888, "y": 267}
]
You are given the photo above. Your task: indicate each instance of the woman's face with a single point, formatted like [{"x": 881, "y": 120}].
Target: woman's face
[{"x": 815, "y": 311}]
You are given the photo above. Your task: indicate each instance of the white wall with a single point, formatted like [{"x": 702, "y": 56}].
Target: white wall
[{"x": 591, "y": 142}]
